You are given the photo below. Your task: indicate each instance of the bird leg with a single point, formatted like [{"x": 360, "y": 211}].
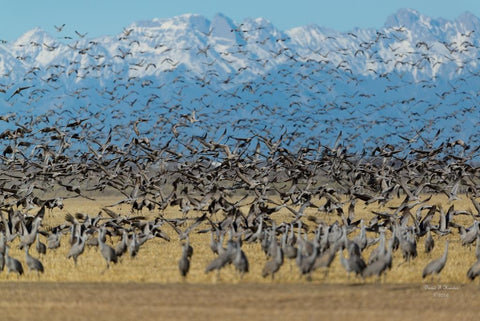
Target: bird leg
[
  {"x": 309, "y": 277},
  {"x": 326, "y": 273}
]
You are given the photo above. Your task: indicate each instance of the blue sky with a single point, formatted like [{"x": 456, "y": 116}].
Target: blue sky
[{"x": 101, "y": 17}]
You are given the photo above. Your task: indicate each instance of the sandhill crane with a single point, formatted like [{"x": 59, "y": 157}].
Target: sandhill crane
[
  {"x": 184, "y": 262},
  {"x": 33, "y": 263},
  {"x": 2, "y": 251},
  {"x": 106, "y": 250},
  {"x": 477, "y": 248},
  {"x": 258, "y": 233},
  {"x": 381, "y": 264},
  {"x": 214, "y": 244},
  {"x": 189, "y": 248},
  {"x": 355, "y": 261},
  {"x": 54, "y": 238},
  {"x": 468, "y": 237},
  {"x": 224, "y": 258},
  {"x": 18, "y": 91},
  {"x": 361, "y": 239},
  {"x": 273, "y": 265},
  {"x": 305, "y": 263},
  {"x": 28, "y": 237},
  {"x": 3, "y": 244},
  {"x": 408, "y": 245},
  {"x": 345, "y": 264},
  {"x": 134, "y": 246},
  {"x": 40, "y": 246},
  {"x": 436, "y": 266},
  {"x": 272, "y": 246},
  {"x": 429, "y": 242},
  {"x": 80, "y": 34},
  {"x": 240, "y": 260},
  {"x": 325, "y": 260},
  {"x": 59, "y": 28},
  {"x": 289, "y": 250},
  {"x": 379, "y": 251},
  {"x": 122, "y": 246},
  {"x": 474, "y": 270},
  {"x": 13, "y": 265},
  {"x": 77, "y": 248}
]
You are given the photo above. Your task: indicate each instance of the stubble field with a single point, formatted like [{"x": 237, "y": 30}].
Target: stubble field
[{"x": 149, "y": 286}]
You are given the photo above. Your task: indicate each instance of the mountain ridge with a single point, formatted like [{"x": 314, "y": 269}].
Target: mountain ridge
[
  {"x": 194, "y": 29},
  {"x": 411, "y": 75}
]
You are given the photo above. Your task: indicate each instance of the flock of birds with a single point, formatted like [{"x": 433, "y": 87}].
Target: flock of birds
[
  {"x": 374, "y": 85},
  {"x": 214, "y": 186},
  {"x": 230, "y": 178}
]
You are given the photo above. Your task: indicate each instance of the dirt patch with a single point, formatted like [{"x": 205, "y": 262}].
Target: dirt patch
[{"x": 129, "y": 301}]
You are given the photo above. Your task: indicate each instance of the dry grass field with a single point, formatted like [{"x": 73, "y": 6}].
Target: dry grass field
[
  {"x": 150, "y": 286},
  {"x": 250, "y": 301}
]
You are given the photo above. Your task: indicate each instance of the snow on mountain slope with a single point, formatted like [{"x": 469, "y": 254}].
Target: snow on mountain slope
[{"x": 188, "y": 76}]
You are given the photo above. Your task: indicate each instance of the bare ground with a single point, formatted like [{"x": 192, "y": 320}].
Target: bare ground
[
  {"x": 127, "y": 292},
  {"x": 153, "y": 301}
]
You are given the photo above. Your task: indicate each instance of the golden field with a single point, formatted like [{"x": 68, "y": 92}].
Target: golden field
[
  {"x": 251, "y": 301},
  {"x": 149, "y": 286},
  {"x": 157, "y": 258}
]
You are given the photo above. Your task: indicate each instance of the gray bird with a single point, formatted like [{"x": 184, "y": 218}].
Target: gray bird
[
  {"x": 106, "y": 250},
  {"x": 184, "y": 262},
  {"x": 240, "y": 260},
  {"x": 53, "y": 240},
  {"x": 468, "y": 237},
  {"x": 429, "y": 242},
  {"x": 381, "y": 264},
  {"x": 355, "y": 261},
  {"x": 77, "y": 248},
  {"x": 273, "y": 265},
  {"x": 305, "y": 263},
  {"x": 345, "y": 263},
  {"x": 379, "y": 251},
  {"x": 477, "y": 248},
  {"x": 474, "y": 270},
  {"x": 361, "y": 239},
  {"x": 13, "y": 265},
  {"x": 134, "y": 246},
  {"x": 289, "y": 250},
  {"x": 2, "y": 261},
  {"x": 122, "y": 246},
  {"x": 325, "y": 260},
  {"x": 2, "y": 251},
  {"x": 40, "y": 246},
  {"x": 33, "y": 263},
  {"x": 224, "y": 258},
  {"x": 408, "y": 245},
  {"x": 28, "y": 237},
  {"x": 436, "y": 266}
]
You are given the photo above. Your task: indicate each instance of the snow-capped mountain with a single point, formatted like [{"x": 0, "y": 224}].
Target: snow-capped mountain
[{"x": 187, "y": 75}]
